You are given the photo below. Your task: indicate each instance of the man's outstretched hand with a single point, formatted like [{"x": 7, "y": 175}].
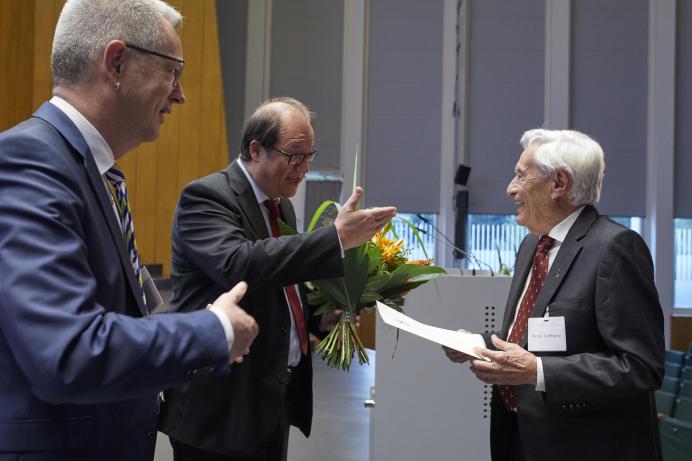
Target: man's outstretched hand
[{"x": 356, "y": 227}]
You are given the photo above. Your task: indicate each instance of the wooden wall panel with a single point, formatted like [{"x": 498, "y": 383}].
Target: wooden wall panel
[
  {"x": 188, "y": 155},
  {"x": 680, "y": 333},
  {"x": 193, "y": 138},
  {"x": 16, "y": 62}
]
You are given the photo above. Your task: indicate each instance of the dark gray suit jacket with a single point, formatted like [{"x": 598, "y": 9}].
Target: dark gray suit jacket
[
  {"x": 219, "y": 239},
  {"x": 599, "y": 402}
]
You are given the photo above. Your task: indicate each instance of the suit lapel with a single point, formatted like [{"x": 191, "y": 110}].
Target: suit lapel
[
  {"x": 69, "y": 131},
  {"x": 569, "y": 249},
  {"x": 247, "y": 199},
  {"x": 288, "y": 215}
]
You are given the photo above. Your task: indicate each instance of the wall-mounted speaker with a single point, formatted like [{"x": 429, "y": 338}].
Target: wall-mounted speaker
[
  {"x": 461, "y": 205},
  {"x": 462, "y": 175}
]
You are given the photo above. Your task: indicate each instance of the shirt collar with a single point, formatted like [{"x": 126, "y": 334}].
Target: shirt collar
[
  {"x": 559, "y": 232},
  {"x": 100, "y": 150},
  {"x": 259, "y": 193}
]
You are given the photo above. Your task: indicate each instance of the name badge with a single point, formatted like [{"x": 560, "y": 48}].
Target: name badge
[{"x": 547, "y": 334}]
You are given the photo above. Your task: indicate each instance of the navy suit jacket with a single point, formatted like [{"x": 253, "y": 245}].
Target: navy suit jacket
[
  {"x": 599, "y": 402},
  {"x": 220, "y": 238},
  {"x": 79, "y": 368}
]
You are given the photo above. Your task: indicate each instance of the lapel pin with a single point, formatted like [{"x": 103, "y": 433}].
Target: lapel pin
[{"x": 557, "y": 276}]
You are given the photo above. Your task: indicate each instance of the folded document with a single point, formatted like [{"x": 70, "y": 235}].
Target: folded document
[{"x": 457, "y": 340}]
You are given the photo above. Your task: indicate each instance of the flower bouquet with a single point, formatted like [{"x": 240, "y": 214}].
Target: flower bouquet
[{"x": 378, "y": 270}]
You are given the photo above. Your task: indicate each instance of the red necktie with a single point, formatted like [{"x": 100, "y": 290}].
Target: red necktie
[
  {"x": 538, "y": 274},
  {"x": 291, "y": 292}
]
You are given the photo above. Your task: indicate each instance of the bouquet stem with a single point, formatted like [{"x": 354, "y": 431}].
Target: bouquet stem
[{"x": 338, "y": 348}]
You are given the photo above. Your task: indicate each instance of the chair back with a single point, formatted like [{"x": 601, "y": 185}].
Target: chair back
[
  {"x": 665, "y": 403},
  {"x": 673, "y": 356}
]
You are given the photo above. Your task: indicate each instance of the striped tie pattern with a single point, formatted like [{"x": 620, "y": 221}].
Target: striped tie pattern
[
  {"x": 539, "y": 272},
  {"x": 117, "y": 180}
]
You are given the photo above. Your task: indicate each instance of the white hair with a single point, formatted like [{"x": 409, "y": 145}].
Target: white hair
[
  {"x": 85, "y": 27},
  {"x": 575, "y": 153}
]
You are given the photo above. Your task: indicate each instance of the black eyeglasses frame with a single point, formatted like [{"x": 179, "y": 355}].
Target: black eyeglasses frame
[
  {"x": 299, "y": 158},
  {"x": 177, "y": 74}
]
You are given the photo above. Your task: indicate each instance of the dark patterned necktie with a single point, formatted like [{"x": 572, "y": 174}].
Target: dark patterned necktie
[
  {"x": 291, "y": 292},
  {"x": 117, "y": 180},
  {"x": 538, "y": 273}
]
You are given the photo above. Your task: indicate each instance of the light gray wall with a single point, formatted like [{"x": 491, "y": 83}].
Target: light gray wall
[
  {"x": 608, "y": 97},
  {"x": 306, "y": 55},
  {"x": 506, "y": 87},
  {"x": 683, "y": 113},
  {"x": 403, "y": 104},
  {"x": 231, "y": 18}
]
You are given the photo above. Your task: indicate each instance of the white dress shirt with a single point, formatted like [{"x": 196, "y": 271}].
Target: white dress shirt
[{"x": 294, "y": 352}]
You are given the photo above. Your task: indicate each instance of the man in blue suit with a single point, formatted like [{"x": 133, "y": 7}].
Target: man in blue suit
[{"x": 81, "y": 361}]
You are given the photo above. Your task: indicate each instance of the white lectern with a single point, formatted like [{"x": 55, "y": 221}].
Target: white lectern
[{"x": 426, "y": 407}]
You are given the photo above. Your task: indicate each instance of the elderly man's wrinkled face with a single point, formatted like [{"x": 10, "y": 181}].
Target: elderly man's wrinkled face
[
  {"x": 531, "y": 193},
  {"x": 273, "y": 173}
]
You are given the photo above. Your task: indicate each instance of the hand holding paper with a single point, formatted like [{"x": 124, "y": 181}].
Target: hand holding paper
[{"x": 460, "y": 341}]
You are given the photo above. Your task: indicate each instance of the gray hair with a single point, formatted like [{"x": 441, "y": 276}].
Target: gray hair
[
  {"x": 575, "y": 153},
  {"x": 85, "y": 27},
  {"x": 264, "y": 125}
]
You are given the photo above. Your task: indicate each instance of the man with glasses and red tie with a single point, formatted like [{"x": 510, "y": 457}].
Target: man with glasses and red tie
[
  {"x": 583, "y": 346},
  {"x": 225, "y": 230},
  {"x": 82, "y": 361}
]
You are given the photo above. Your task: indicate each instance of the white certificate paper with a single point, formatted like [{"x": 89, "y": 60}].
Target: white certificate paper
[{"x": 457, "y": 340}]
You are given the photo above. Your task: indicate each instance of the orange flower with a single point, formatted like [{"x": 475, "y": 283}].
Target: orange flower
[
  {"x": 421, "y": 262},
  {"x": 389, "y": 248}
]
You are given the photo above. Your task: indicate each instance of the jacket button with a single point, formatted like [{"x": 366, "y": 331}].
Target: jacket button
[
  {"x": 282, "y": 377},
  {"x": 151, "y": 435},
  {"x": 284, "y": 329},
  {"x": 207, "y": 370}
]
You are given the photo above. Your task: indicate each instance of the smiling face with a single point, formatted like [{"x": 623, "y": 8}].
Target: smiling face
[
  {"x": 533, "y": 195},
  {"x": 270, "y": 169}
]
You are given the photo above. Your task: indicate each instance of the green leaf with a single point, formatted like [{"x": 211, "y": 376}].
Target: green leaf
[
  {"x": 285, "y": 229},
  {"x": 409, "y": 276},
  {"x": 405, "y": 272},
  {"x": 320, "y": 211},
  {"x": 377, "y": 281},
  {"x": 315, "y": 298},
  {"x": 369, "y": 297},
  {"x": 399, "y": 289},
  {"x": 348, "y": 289},
  {"x": 415, "y": 232},
  {"x": 325, "y": 308},
  {"x": 373, "y": 256}
]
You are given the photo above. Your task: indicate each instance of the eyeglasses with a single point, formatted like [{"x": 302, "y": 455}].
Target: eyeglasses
[
  {"x": 297, "y": 159},
  {"x": 177, "y": 72}
]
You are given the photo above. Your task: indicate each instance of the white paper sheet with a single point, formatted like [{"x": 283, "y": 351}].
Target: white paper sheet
[{"x": 457, "y": 340}]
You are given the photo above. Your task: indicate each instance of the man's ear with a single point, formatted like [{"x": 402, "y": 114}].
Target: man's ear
[
  {"x": 255, "y": 149},
  {"x": 114, "y": 56},
  {"x": 562, "y": 184}
]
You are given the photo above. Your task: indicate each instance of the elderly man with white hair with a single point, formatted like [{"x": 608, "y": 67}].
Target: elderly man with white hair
[{"x": 581, "y": 348}]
